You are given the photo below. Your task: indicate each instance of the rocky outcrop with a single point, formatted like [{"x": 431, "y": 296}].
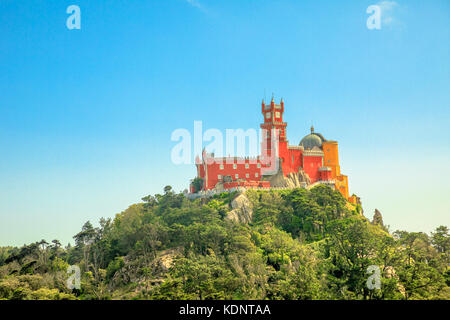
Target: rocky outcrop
[
  {"x": 132, "y": 269},
  {"x": 165, "y": 260},
  {"x": 219, "y": 187},
  {"x": 242, "y": 209},
  {"x": 292, "y": 180}
]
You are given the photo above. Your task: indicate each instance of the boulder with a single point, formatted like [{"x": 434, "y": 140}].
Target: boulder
[
  {"x": 292, "y": 180},
  {"x": 242, "y": 209}
]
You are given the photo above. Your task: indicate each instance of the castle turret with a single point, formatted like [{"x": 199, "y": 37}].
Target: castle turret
[{"x": 273, "y": 120}]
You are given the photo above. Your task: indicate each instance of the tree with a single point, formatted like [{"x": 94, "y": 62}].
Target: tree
[
  {"x": 377, "y": 218},
  {"x": 167, "y": 189},
  {"x": 56, "y": 244},
  {"x": 352, "y": 247},
  {"x": 441, "y": 239},
  {"x": 197, "y": 184},
  {"x": 421, "y": 272},
  {"x": 83, "y": 241}
]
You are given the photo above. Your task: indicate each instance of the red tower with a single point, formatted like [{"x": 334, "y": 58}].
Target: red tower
[{"x": 273, "y": 126}]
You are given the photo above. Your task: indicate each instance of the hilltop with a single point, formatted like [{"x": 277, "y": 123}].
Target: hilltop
[{"x": 271, "y": 244}]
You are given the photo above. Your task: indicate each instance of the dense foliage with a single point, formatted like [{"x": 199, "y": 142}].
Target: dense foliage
[{"x": 300, "y": 244}]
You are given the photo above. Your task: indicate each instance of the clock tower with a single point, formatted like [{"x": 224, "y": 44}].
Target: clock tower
[{"x": 274, "y": 129}]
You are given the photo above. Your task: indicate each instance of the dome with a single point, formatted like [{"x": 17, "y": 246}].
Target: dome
[{"x": 312, "y": 140}]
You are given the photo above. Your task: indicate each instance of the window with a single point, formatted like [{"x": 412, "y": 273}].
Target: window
[
  {"x": 267, "y": 115},
  {"x": 259, "y": 165},
  {"x": 221, "y": 167},
  {"x": 236, "y": 176},
  {"x": 246, "y": 166},
  {"x": 256, "y": 175},
  {"x": 234, "y": 166},
  {"x": 247, "y": 175},
  {"x": 277, "y": 114},
  {"x": 219, "y": 176},
  {"x": 328, "y": 161}
]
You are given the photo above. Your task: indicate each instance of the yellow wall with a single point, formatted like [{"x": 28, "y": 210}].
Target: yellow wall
[
  {"x": 331, "y": 157},
  {"x": 342, "y": 185}
]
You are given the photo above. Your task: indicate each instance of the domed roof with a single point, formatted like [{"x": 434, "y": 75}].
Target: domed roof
[{"x": 312, "y": 140}]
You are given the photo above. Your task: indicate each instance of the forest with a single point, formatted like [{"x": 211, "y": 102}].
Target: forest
[{"x": 298, "y": 244}]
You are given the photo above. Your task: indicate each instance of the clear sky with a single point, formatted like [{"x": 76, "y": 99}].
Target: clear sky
[{"x": 86, "y": 115}]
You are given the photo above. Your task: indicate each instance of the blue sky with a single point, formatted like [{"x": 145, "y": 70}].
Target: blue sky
[{"x": 86, "y": 115}]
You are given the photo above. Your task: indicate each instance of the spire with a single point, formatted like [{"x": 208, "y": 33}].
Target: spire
[{"x": 312, "y": 129}]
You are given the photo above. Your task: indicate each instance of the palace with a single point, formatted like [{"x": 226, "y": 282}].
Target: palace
[{"x": 314, "y": 161}]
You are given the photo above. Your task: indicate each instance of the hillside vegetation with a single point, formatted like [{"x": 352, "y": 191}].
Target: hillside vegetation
[{"x": 299, "y": 244}]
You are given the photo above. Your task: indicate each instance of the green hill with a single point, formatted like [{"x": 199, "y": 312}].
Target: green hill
[{"x": 278, "y": 244}]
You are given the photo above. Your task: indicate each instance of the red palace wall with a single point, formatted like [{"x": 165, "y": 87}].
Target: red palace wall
[
  {"x": 214, "y": 170},
  {"x": 325, "y": 175},
  {"x": 311, "y": 165},
  {"x": 200, "y": 171},
  {"x": 292, "y": 161}
]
